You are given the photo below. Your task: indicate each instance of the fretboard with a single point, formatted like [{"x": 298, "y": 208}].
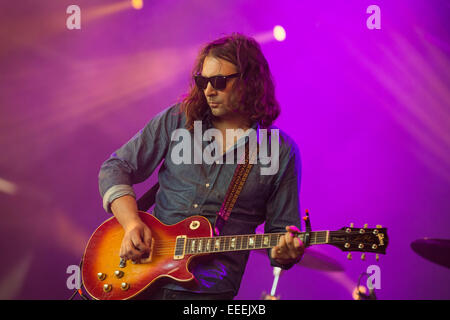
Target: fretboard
[{"x": 246, "y": 242}]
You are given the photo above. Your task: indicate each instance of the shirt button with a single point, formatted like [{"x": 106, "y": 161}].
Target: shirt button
[
  {"x": 207, "y": 185},
  {"x": 195, "y": 205}
]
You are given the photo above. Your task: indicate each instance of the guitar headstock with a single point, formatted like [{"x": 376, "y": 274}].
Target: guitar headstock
[{"x": 372, "y": 240}]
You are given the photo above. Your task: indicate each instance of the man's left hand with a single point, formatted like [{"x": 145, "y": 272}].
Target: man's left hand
[{"x": 290, "y": 248}]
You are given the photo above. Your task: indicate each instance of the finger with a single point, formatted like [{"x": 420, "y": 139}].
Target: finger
[
  {"x": 282, "y": 242},
  {"x": 276, "y": 252},
  {"x": 132, "y": 253},
  {"x": 147, "y": 237},
  {"x": 292, "y": 229},
  {"x": 282, "y": 248},
  {"x": 299, "y": 245},
  {"x": 273, "y": 252},
  {"x": 122, "y": 254},
  {"x": 289, "y": 243},
  {"x": 138, "y": 243}
]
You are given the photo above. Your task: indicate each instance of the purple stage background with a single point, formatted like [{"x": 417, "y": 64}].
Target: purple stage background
[{"x": 369, "y": 110}]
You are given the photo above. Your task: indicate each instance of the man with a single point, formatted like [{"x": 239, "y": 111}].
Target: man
[{"x": 232, "y": 88}]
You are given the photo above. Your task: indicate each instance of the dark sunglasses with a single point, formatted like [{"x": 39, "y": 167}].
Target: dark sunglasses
[{"x": 218, "y": 82}]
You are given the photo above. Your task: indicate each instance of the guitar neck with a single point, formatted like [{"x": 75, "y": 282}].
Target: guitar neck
[{"x": 247, "y": 242}]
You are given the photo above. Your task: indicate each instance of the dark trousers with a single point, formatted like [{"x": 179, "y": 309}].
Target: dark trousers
[{"x": 167, "y": 294}]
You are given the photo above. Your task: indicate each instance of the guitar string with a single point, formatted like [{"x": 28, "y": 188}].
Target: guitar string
[
  {"x": 314, "y": 235},
  {"x": 162, "y": 245},
  {"x": 257, "y": 236},
  {"x": 163, "y": 249}
]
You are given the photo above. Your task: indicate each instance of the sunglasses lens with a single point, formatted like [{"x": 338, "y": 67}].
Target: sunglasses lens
[
  {"x": 219, "y": 83},
  {"x": 201, "y": 82}
]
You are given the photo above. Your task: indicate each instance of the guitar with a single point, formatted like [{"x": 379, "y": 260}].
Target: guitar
[{"x": 105, "y": 276}]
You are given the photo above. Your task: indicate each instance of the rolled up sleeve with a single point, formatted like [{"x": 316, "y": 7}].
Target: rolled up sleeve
[{"x": 136, "y": 160}]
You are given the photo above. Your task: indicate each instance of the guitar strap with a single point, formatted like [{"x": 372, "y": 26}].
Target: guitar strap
[{"x": 234, "y": 189}]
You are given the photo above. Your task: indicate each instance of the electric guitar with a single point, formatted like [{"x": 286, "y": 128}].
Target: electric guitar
[{"x": 105, "y": 276}]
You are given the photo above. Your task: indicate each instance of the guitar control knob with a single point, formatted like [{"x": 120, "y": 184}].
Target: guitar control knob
[
  {"x": 124, "y": 286},
  {"x": 101, "y": 276},
  {"x": 107, "y": 287},
  {"x": 119, "y": 274}
]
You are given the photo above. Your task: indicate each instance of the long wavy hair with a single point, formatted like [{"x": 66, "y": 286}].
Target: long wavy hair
[{"x": 253, "y": 93}]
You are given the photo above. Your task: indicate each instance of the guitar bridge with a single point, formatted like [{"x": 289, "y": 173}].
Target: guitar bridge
[{"x": 180, "y": 245}]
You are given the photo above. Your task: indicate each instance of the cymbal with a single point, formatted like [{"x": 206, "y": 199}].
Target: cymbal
[
  {"x": 434, "y": 250},
  {"x": 313, "y": 259}
]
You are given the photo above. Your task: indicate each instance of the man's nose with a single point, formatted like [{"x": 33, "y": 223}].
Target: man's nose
[{"x": 210, "y": 91}]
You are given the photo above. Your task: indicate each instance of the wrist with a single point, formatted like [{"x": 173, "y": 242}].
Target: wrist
[{"x": 132, "y": 222}]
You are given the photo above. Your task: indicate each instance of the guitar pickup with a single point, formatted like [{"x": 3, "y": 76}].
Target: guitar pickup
[{"x": 180, "y": 245}]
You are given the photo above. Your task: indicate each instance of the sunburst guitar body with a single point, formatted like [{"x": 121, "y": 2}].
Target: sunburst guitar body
[{"x": 105, "y": 276}]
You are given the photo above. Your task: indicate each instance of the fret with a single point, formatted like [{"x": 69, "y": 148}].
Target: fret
[
  {"x": 247, "y": 242},
  {"x": 319, "y": 237},
  {"x": 266, "y": 241},
  {"x": 258, "y": 241},
  {"x": 302, "y": 237},
  {"x": 238, "y": 242},
  {"x": 251, "y": 241},
  {"x": 217, "y": 244},
  {"x": 244, "y": 242},
  {"x": 202, "y": 245},
  {"x": 222, "y": 244},
  {"x": 233, "y": 243},
  {"x": 227, "y": 244},
  {"x": 273, "y": 240}
]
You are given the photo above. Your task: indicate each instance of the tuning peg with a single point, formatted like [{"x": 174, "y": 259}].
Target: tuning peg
[
  {"x": 352, "y": 225},
  {"x": 365, "y": 226},
  {"x": 377, "y": 257},
  {"x": 363, "y": 256},
  {"x": 378, "y": 226},
  {"x": 349, "y": 256}
]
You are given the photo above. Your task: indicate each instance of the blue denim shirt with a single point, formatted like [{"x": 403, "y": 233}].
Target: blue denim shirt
[{"x": 199, "y": 189}]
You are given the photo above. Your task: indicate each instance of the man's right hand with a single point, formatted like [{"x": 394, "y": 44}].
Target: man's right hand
[{"x": 136, "y": 243}]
